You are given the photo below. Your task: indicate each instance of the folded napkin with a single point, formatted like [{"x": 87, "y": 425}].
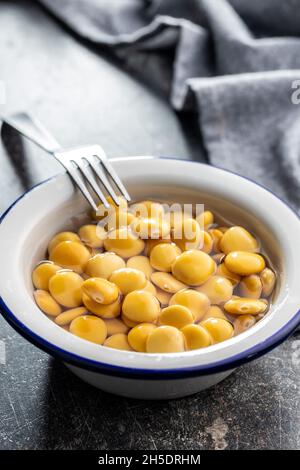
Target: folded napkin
[{"x": 236, "y": 63}]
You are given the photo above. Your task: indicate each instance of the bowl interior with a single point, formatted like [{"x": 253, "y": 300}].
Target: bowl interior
[{"x": 56, "y": 205}]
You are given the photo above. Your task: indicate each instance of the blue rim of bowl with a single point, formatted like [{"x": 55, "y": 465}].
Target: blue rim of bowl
[{"x": 151, "y": 374}]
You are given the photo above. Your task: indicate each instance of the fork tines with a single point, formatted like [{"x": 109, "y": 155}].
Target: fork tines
[{"x": 90, "y": 168}]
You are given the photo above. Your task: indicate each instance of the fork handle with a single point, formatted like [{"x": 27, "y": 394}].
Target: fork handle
[{"x": 31, "y": 128}]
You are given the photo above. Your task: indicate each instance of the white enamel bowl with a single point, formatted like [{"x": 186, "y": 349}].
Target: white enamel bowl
[{"x": 55, "y": 205}]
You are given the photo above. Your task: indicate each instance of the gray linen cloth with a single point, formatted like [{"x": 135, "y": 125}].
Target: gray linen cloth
[{"x": 234, "y": 62}]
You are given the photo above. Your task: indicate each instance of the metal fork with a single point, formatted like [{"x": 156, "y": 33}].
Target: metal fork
[{"x": 87, "y": 165}]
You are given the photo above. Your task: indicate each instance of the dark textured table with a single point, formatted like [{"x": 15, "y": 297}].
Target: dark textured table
[{"x": 85, "y": 97}]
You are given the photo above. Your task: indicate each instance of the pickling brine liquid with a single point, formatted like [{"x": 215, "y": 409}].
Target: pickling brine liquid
[{"x": 149, "y": 279}]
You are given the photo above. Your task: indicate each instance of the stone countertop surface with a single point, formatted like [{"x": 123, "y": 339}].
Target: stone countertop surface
[{"x": 83, "y": 96}]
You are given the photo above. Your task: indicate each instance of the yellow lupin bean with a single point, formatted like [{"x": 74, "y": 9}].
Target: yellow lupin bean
[
  {"x": 149, "y": 287},
  {"x": 268, "y": 280},
  {"x": 163, "y": 256},
  {"x": 244, "y": 263},
  {"x": 118, "y": 341},
  {"x": 205, "y": 219},
  {"x": 92, "y": 235},
  {"x": 165, "y": 339},
  {"x": 65, "y": 287},
  {"x": 141, "y": 306},
  {"x": 214, "y": 312},
  {"x": 62, "y": 237},
  {"x": 163, "y": 296},
  {"x": 216, "y": 236},
  {"x": 89, "y": 328},
  {"x": 137, "y": 337},
  {"x": 151, "y": 228},
  {"x": 141, "y": 263},
  {"x": 151, "y": 243},
  {"x": 167, "y": 282},
  {"x": 196, "y": 337},
  {"x": 197, "y": 302},
  {"x": 124, "y": 242},
  {"x": 218, "y": 289},
  {"x": 193, "y": 267},
  {"x": 115, "y": 326},
  {"x": 243, "y": 323},
  {"x": 123, "y": 204},
  {"x": 224, "y": 272},
  {"x": 128, "y": 279},
  {"x": 66, "y": 317},
  {"x": 70, "y": 255},
  {"x": 223, "y": 228},
  {"x": 46, "y": 303},
  {"x": 251, "y": 286},
  {"x": 100, "y": 290},
  {"x": 245, "y": 306},
  {"x": 147, "y": 209},
  {"x": 188, "y": 235},
  {"x": 176, "y": 315},
  {"x": 129, "y": 323},
  {"x": 238, "y": 239},
  {"x": 103, "y": 212},
  {"x": 112, "y": 310},
  {"x": 219, "y": 329},
  {"x": 119, "y": 218},
  {"x": 176, "y": 218},
  {"x": 174, "y": 293},
  {"x": 42, "y": 274},
  {"x": 104, "y": 264},
  {"x": 208, "y": 243}
]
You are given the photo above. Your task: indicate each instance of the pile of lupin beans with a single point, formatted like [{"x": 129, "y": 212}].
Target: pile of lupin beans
[{"x": 116, "y": 287}]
